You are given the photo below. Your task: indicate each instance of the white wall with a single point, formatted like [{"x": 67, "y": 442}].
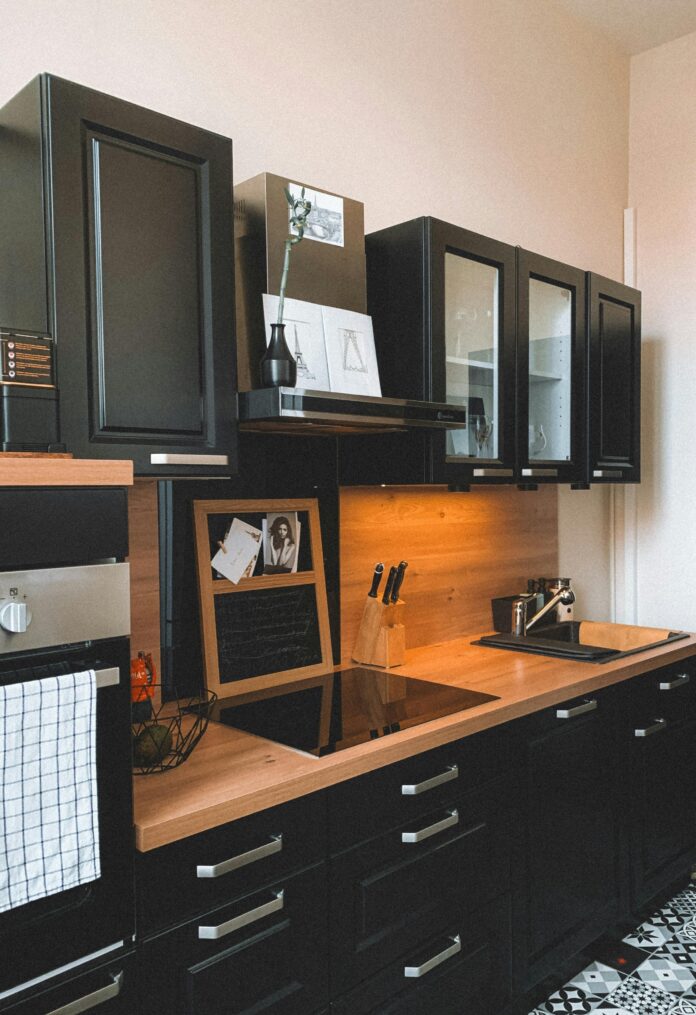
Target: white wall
[
  {"x": 663, "y": 191},
  {"x": 508, "y": 118}
]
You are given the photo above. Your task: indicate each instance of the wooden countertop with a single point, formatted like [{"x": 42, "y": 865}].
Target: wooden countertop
[
  {"x": 231, "y": 774},
  {"x": 40, "y": 470}
]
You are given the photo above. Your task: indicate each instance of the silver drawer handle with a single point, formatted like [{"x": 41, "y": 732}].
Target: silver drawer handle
[
  {"x": 485, "y": 473},
  {"x": 92, "y": 1000},
  {"x": 540, "y": 472},
  {"x": 646, "y": 731},
  {"x": 607, "y": 473},
  {"x": 163, "y": 459},
  {"x": 213, "y": 933},
  {"x": 436, "y": 960},
  {"x": 567, "y": 713},
  {"x": 107, "y": 678},
  {"x": 451, "y": 772},
  {"x": 251, "y": 856},
  {"x": 679, "y": 681},
  {"x": 439, "y": 826}
]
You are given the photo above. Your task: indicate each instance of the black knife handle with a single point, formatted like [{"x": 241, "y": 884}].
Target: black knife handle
[
  {"x": 376, "y": 579},
  {"x": 398, "y": 581},
  {"x": 389, "y": 586}
]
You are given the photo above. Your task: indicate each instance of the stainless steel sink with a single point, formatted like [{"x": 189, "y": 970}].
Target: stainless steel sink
[{"x": 585, "y": 640}]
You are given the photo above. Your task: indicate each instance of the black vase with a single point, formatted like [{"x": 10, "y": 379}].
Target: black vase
[{"x": 278, "y": 366}]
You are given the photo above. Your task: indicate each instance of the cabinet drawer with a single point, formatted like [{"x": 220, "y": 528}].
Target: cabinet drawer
[
  {"x": 270, "y": 956},
  {"x": 668, "y": 693},
  {"x": 216, "y": 867},
  {"x": 371, "y": 804},
  {"x": 392, "y": 893},
  {"x": 466, "y": 967},
  {"x": 109, "y": 989}
]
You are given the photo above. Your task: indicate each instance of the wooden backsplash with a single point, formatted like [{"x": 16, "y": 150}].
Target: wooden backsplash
[{"x": 461, "y": 548}]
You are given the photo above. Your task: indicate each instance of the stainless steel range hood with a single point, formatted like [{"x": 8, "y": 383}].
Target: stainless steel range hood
[{"x": 296, "y": 410}]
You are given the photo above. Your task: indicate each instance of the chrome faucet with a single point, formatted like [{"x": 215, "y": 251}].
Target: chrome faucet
[{"x": 520, "y": 624}]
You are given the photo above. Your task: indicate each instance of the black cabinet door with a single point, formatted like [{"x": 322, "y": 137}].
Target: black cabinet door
[
  {"x": 551, "y": 410},
  {"x": 110, "y": 988},
  {"x": 144, "y": 300},
  {"x": 613, "y": 381},
  {"x": 573, "y": 874},
  {"x": 663, "y": 798}
]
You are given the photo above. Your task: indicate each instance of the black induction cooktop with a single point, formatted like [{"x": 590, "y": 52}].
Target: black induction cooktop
[{"x": 322, "y": 715}]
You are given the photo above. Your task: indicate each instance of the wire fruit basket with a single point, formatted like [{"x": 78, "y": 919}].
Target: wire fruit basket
[{"x": 166, "y": 737}]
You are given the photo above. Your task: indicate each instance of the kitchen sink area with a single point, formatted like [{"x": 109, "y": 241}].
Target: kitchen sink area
[{"x": 587, "y": 640}]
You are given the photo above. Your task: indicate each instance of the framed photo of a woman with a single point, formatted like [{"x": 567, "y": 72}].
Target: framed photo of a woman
[{"x": 281, "y": 543}]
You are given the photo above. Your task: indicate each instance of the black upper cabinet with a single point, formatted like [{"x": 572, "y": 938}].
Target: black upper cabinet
[
  {"x": 614, "y": 382},
  {"x": 442, "y": 301},
  {"x": 130, "y": 273},
  {"x": 551, "y": 377}
]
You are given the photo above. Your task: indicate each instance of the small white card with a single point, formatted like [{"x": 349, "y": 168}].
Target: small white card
[
  {"x": 325, "y": 220},
  {"x": 304, "y": 333},
  {"x": 237, "y": 555},
  {"x": 350, "y": 351}
]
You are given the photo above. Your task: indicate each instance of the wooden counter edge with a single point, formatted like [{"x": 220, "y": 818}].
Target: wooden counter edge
[
  {"x": 65, "y": 472},
  {"x": 367, "y": 757}
]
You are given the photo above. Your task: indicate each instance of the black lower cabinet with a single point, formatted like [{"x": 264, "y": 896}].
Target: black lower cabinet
[
  {"x": 111, "y": 988},
  {"x": 662, "y": 739},
  {"x": 264, "y": 953},
  {"x": 465, "y": 967},
  {"x": 573, "y": 867}
]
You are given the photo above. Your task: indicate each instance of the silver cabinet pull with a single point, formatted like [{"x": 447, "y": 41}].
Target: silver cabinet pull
[
  {"x": 679, "y": 681},
  {"x": 436, "y": 960},
  {"x": 646, "y": 731},
  {"x": 567, "y": 713},
  {"x": 164, "y": 459},
  {"x": 540, "y": 472},
  {"x": 607, "y": 473},
  {"x": 251, "y": 856},
  {"x": 484, "y": 473},
  {"x": 107, "y": 678},
  {"x": 90, "y": 1001},
  {"x": 439, "y": 826},
  {"x": 451, "y": 772},
  {"x": 213, "y": 933}
]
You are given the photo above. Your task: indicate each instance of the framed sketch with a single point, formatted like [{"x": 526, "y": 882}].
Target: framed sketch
[
  {"x": 325, "y": 221},
  {"x": 304, "y": 333},
  {"x": 350, "y": 351}
]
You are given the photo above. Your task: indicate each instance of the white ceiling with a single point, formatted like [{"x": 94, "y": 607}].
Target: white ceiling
[{"x": 636, "y": 25}]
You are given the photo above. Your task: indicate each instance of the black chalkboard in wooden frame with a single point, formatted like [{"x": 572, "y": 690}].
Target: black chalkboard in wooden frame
[{"x": 268, "y": 629}]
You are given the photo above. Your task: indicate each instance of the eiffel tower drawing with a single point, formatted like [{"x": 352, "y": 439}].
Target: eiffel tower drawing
[
  {"x": 302, "y": 368},
  {"x": 353, "y": 361}
]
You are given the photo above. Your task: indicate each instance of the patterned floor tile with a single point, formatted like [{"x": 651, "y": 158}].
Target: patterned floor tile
[
  {"x": 687, "y": 932},
  {"x": 569, "y": 999},
  {"x": 597, "y": 979},
  {"x": 650, "y": 936},
  {"x": 638, "y": 998},
  {"x": 685, "y": 902},
  {"x": 681, "y": 952},
  {"x": 684, "y": 1007},
  {"x": 660, "y": 972},
  {"x": 668, "y": 916}
]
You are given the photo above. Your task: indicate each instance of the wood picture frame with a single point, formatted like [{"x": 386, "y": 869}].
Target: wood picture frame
[{"x": 214, "y": 630}]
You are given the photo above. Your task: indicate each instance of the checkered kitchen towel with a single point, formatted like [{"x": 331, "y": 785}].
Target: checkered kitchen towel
[{"x": 49, "y": 832}]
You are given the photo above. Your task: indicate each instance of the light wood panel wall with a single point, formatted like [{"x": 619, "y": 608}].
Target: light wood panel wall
[
  {"x": 144, "y": 565},
  {"x": 462, "y": 549}
]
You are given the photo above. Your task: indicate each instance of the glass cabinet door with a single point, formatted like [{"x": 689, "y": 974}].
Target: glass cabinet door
[
  {"x": 551, "y": 342},
  {"x": 472, "y": 362}
]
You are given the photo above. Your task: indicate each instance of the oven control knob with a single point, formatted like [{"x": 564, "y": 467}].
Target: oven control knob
[{"x": 14, "y": 617}]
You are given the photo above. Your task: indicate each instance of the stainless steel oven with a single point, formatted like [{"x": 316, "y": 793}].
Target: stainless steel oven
[{"x": 65, "y": 615}]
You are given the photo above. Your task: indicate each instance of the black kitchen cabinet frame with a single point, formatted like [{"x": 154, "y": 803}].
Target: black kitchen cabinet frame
[{"x": 531, "y": 266}]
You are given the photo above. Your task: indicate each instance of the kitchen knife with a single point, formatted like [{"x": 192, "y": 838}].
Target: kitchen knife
[
  {"x": 401, "y": 570},
  {"x": 376, "y": 578},
  {"x": 389, "y": 586}
]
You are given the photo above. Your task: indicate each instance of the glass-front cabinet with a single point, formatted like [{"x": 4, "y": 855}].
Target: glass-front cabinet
[
  {"x": 551, "y": 413},
  {"x": 472, "y": 320}
]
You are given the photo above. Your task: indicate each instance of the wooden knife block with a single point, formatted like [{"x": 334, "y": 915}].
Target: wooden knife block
[{"x": 381, "y": 639}]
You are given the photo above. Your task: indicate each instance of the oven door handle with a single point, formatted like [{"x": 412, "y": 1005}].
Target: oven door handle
[
  {"x": 90, "y": 1001},
  {"x": 107, "y": 678}
]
